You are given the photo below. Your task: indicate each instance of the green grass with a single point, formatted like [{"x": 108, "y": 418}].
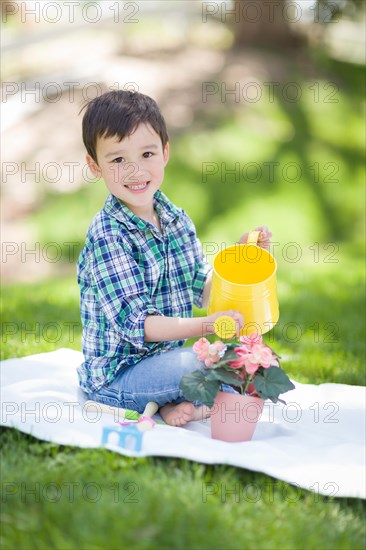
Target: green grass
[
  {"x": 94, "y": 499},
  {"x": 40, "y": 317},
  {"x": 320, "y": 335}
]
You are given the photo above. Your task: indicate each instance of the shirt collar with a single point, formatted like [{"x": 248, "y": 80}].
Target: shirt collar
[{"x": 166, "y": 210}]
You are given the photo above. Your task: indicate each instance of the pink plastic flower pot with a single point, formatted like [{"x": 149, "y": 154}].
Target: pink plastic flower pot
[{"x": 234, "y": 416}]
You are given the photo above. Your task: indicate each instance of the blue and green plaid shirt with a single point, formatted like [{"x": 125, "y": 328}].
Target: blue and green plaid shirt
[{"x": 127, "y": 270}]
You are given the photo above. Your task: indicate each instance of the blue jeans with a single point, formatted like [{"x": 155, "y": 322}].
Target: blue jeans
[{"x": 155, "y": 378}]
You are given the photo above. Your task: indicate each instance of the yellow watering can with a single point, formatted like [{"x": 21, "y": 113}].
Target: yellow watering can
[{"x": 244, "y": 279}]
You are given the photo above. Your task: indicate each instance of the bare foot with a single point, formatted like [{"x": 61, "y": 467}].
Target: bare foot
[{"x": 180, "y": 414}]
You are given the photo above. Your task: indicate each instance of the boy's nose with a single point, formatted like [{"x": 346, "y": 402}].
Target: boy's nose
[{"x": 134, "y": 172}]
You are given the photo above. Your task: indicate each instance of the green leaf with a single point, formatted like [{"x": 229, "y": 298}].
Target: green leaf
[
  {"x": 271, "y": 382},
  {"x": 230, "y": 355},
  {"x": 199, "y": 386},
  {"x": 225, "y": 376}
]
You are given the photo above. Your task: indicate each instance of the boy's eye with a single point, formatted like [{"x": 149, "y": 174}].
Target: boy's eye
[
  {"x": 118, "y": 160},
  {"x": 148, "y": 154}
]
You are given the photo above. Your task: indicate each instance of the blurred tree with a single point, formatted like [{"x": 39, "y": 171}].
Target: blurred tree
[
  {"x": 274, "y": 23},
  {"x": 327, "y": 11},
  {"x": 265, "y": 23}
]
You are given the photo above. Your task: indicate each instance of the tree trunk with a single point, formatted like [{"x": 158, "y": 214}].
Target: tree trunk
[{"x": 267, "y": 23}]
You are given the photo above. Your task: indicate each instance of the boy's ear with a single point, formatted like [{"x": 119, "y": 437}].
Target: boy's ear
[
  {"x": 166, "y": 154},
  {"x": 94, "y": 168}
]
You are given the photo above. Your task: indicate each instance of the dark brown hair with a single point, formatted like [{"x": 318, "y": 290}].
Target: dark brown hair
[{"x": 118, "y": 113}]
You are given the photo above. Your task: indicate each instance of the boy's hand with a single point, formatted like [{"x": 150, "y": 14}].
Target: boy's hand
[
  {"x": 263, "y": 239},
  {"x": 236, "y": 315}
]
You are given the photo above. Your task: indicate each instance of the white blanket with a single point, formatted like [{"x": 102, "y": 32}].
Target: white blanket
[{"x": 315, "y": 442}]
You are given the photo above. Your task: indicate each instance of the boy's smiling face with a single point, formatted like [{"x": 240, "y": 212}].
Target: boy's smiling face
[{"x": 133, "y": 168}]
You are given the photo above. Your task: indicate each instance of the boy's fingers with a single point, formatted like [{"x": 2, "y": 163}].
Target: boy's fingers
[
  {"x": 236, "y": 315},
  {"x": 263, "y": 228},
  {"x": 239, "y": 325},
  {"x": 239, "y": 320},
  {"x": 265, "y": 233}
]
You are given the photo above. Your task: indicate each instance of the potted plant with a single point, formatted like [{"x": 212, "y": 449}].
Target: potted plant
[{"x": 251, "y": 368}]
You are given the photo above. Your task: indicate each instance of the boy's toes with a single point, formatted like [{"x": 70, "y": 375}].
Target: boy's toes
[{"x": 178, "y": 415}]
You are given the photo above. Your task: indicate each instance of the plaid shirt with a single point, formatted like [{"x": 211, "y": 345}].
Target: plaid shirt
[{"x": 127, "y": 270}]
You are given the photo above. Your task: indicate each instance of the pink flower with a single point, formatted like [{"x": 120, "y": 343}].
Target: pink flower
[
  {"x": 216, "y": 351},
  {"x": 209, "y": 353},
  {"x": 251, "y": 340},
  {"x": 252, "y": 354},
  {"x": 260, "y": 356},
  {"x": 243, "y": 355},
  {"x": 201, "y": 348},
  {"x": 251, "y": 366}
]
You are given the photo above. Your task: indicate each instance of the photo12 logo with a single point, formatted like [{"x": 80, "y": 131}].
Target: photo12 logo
[
  {"x": 52, "y": 92},
  {"x": 69, "y": 491},
  {"x": 72, "y": 12},
  {"x": 268, "y": 491},
  {"x": 270, "y": 11},
  {"x": 36, "y": 332},
  {"x": 291, "y": 252},
  {"x": 51, "y": 252},
  {"x": 269, "y": 172},
  {"x": 254, "y": 91}
]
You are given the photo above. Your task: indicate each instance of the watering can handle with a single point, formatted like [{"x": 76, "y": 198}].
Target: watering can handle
[{"x": 253, "y": 237}]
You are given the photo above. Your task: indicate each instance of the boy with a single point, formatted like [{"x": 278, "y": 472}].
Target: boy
[{"x": 141, "y": 268}]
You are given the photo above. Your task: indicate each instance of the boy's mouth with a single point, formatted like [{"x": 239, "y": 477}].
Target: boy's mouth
[{"x": 137, "y": 187}]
